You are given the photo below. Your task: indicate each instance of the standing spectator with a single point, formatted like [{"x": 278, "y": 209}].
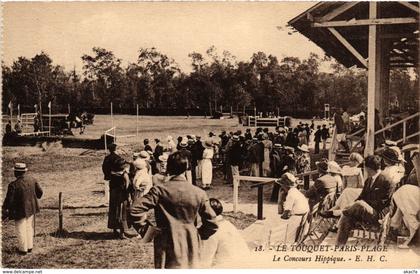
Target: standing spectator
[
  {"x": 171, "y": 144},
  {"x": 341, "y": 131},
  {"x": 18, "y": 127},
  {"x": 303, "y": 160},
  {"x": 183, "y": 148},
  {"x": 199, "y": 149},
  {"x": 9, "y": 127},
  {"x": 308, "y": 133},
  {"x": 119, "y": 198},
  {"x": 325, "y": 134},
  {"x": 160, "y": 177},
  {"x": 346, "y": 120},
  {"x": 234, "y": 155},
  {"x": 147, "y": 147},
  {"x": 108, "y": 165},
  {"x": 191, "y": 148},
  {"x": 268, "y": 145},
  {"x": 142, "y": 181},
  {"x": 207, "y": 166},
  {"x": 256, "y": 157},
  {"x": 158, "y": 150},
  {"x": 21, "y": 205},
  {"x": 177, "y": 206},
  {"x": 248, "y": 134},
  {"x": 317, "y": 139}
]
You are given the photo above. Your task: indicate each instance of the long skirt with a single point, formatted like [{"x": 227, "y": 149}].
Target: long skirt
[
  {"x": 206, "y": 171},
  {"x": 118, "y": 206},
  {"x": 266, "y": 163}
]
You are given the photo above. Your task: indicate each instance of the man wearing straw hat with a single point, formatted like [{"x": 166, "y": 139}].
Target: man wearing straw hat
[{"x": 21, "y": 205}]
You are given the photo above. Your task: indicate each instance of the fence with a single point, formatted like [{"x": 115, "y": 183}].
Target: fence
[{"x": 112, "y": 132}]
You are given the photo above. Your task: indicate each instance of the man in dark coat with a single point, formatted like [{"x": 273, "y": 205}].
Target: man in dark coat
[
  {"x": 21, "y": 205},
  {"x": 183, "y": 148},
  {"x": 325, "y": 134},
  {"x": 256, "y": 157},
  {"x": 372, "y": 204},
  {"x": 235, "y": 155},
  {"x": 317, "y": 139},
  {"x": 147, "y": 147},
  {"x": 177, "y": 204},
  {"x": 158, "y": 150},
  {"x": 248, "y": 134}
]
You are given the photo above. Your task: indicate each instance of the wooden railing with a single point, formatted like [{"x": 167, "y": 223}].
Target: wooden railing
[{"x": 404, "y": 131}]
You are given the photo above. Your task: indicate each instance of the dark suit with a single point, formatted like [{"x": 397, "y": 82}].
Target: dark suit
[
  {"x": 21, "y": 198},
  {"x": 371, "y": 206},
  {"x": 321, "y": 188},
  {"x": 109, "y": 165},
  {"x": 158, "y": 152}
]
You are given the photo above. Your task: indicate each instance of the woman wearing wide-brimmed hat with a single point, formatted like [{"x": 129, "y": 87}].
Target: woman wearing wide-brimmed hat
[
  {"x": 206, "y": 164},
  {"x": 394, "y": 168},
  {"x": 303, "y": 160}
]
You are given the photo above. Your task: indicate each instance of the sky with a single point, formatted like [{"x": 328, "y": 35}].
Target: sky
[{"x": 67, "y": 30}]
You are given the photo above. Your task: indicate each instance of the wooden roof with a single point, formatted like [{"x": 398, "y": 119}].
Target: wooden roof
[{"x": 324, "y": 22}]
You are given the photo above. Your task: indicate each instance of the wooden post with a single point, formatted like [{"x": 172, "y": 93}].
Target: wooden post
[
  {"x": 235, "y": 194},
  {"x": 18, "y": 114},
  {"x": 137, "y": 120},
  {"x": 255, "y": 116},
  {"x": 260, "y": 202},
  {"x": 11, "y": 113},
  {"x": 231, "y": 111},
  {"x": 68, "y": 108},
  {"x": 404, "y": 131},
  {"x": 60, "y": 211},
  {"x": 112, "y": 115},
  {"x": 49, "y": 118},
  {"x": 278, "y": 112},
  {"x": 373, "y": 82}
]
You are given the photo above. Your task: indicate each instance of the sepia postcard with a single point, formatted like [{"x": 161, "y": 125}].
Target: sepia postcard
[{"x": 210, "y": 135}]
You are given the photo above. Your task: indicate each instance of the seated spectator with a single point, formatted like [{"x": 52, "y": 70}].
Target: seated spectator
[
  {"x": 394, "y": 169},
  {"x": 352, "y": 173},
  {"x": 372, "y": 204},
  {"x": 324, "y": 185},
  {"x": 226, "y": 246},
  {"x": 280, "y": 228}
]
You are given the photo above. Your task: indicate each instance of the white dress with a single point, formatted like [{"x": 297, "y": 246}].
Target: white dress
[{"x": 207, "y": 167}]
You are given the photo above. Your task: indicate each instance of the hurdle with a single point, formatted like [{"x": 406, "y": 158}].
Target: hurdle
[{"x": 112, "y": 132}]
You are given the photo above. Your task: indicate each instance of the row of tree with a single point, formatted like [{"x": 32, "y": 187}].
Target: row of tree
[{"x": 217, "y": 81}]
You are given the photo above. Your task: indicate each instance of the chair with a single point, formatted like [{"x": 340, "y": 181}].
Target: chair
[
  {"x": 315, "y": 232},
  {"x": 372, "y": 232}
]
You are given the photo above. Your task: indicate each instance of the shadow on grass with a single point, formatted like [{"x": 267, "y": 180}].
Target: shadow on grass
[
  {"x": 98, "y": 192},
  {"x": 85, "y": 235},
  {"x": 90, "y": 214}
]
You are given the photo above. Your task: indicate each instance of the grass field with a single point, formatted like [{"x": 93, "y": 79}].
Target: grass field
[{"x": 77, "y": 174}]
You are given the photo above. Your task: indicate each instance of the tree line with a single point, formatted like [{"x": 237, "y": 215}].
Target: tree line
[{"x": 217, "y": 81}]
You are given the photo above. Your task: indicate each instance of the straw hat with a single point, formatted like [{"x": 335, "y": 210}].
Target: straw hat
[
  {"x": 333, "y": 167},
  {"x": 184, "y": 142},
  {"x": 144, "y": 155},
  {"x": 163, "y": 157},
  {"x": 235, "y": 138},
  {"x": 208, "y": 144},
  {"x": 303, "y": 148},
  {"x": 287, "y": 179},
  {"x": 392, "y": 154},
  {"x": 20, "y": 167}
]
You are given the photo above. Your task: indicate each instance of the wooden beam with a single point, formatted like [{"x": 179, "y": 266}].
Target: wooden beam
[
  {"x": 410, "y": 6},
  {"x": 373, "y": 82},
  {"x": 366, "y": 22},
  {"x": 338, "y": 11},
  {"x": 349, "y": 46}
]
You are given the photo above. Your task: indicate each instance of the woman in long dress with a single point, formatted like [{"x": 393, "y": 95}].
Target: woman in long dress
[
  {"x": 119, "y": 199},
  {"x": 207, "y": 166},
  {"x": 268, "y": 145}
]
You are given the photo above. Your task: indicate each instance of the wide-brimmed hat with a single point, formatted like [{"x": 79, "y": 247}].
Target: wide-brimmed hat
[
  {"x": 281, "y": 129},
  {"x": 389, "y": 143},
  {"x": 184, "y": 142},
  {"x": 278, "y": 146},
  {"x": 163, "y": 157},
  {"x": 356, "y": 157},
  {"x": 136, "y": 155},
  {"x": 303, "y": 148},
  {"x": 333, "y": 167},
  {"x": 144, "y": 155},
  {"x": 157, "y": 140},
  {"x": 235, "y": 138},
  {"x": 208, "y": 144},
  {"x": 20, "y": 167},
  {"x": 322, "y": 165},
  {"x": 291, "y": 149},
  {"x": 287, "y": 179},
  {"x": 140, "y": 163},
  {"x": 392, "y": 154}
]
